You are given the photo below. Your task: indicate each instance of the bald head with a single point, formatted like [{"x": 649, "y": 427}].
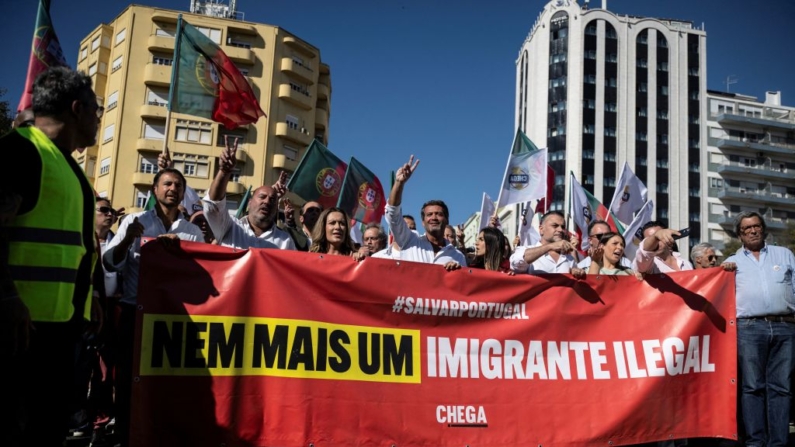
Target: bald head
[{"x": 263, "y": 207}]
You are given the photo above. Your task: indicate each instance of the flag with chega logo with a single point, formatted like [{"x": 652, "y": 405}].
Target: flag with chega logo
[
  {"x": 362, "y": 195},
  {"x": 585, "y": 208},
  {"x": 44, "y": 53},
  {"x": 318, "y": 176},
  {"x": 633, "y": 234},
  {"x": 207, "y": 84},
  {"x": 526, "y": 173},
  {"x": 630, "y": 195}
]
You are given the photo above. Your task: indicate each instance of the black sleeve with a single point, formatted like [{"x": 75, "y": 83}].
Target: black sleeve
[{"x": 21, "y": 174}]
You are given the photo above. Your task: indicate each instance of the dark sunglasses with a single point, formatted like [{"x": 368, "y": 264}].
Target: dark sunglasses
[
  {"x": 598, "y": 235},
  {"x": 106, "y": 210}
]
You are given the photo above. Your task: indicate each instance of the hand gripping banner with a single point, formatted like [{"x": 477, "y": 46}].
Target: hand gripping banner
[{"x": 278, "y": 348}]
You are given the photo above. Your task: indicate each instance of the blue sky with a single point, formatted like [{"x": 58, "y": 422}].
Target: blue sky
[{"x": 436, "y": 79}]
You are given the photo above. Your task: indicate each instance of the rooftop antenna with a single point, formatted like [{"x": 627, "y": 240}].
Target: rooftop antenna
[
  {"x": 214, "y": 8},
  {"x": 731, "y": 79}
]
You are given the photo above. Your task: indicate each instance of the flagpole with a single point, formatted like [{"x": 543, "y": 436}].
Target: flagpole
[{"x": 174, "y": 79}]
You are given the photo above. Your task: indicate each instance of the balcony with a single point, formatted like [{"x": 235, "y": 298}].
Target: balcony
[
  {"x": 149, "y": 145},
  {"x": 785, "y": 149},
  {"x": 157, "y": 75},
  {"x": 294, "y": 135},
  {"x": 241, "y": 155},
  {"x": 299, "y": 45},
  {"x": 301, "y": 72},
  {"x": 786, "y": 122},
  {"x": 156, "y": 42},
  {"x": 758, "y": 197},
  {"x": 287, "y": 93},
  {"x": 154, "y": 109},
  {"x": 321, "y": 118},
  {"x": 233, "y": 188},
  {"x": 764, "y": 171},
  {"x": 280, "y": 161},
  {"x": 240, "y": 55},
  {"x": 323, "y": 91},
  {"x": 143, "y": 179}
]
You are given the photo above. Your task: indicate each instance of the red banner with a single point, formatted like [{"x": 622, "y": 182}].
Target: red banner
[{"x": 278, "y": 348}]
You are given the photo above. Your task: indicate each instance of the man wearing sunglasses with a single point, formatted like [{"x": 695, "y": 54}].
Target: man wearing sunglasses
[
  {"x": 46, "y": 259},
  {"x": 703, "y": 256}
]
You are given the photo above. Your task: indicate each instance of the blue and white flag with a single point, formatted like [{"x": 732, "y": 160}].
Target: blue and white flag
[{"x": 525, "y": 176}]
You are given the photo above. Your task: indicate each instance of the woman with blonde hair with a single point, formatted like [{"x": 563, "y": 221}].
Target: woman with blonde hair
[{"x": 332, "y": 234}]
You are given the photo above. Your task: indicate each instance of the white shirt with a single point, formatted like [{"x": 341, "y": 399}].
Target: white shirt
[
  {"x": 130, "y": 264},
  {"x": 647, "y": 262},
  {"x": 586, "y": 263},
  {"x": 387, "y": 253},
  {"x": 237, "y": 233},
  {"x": 111, "y": 278},
  {"x": 418, "y": 248},
  {"x": 544, "y": 264}
]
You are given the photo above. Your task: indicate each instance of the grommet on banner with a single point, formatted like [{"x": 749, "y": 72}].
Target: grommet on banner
[
  {"x": 609, "y": 442},
  {"x": 731, "y": 322},
  {"x": 598, "y": 278},
  {"x": 397, "y": 263},
  {"x": 140, "y": 307},
  {"x": 470, "y": 271},
  {"x": 321, "y": 256},
  {"x": 311, "y": 444},
  {"x": 670, "y": 436},
  {"x": 734, "y": 381}
]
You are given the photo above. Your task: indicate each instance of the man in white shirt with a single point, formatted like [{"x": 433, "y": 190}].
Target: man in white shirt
[
  {"x": 552, "y": 254},
  {"x": 258, "y": 228},
  {"x": 431, "y": 248},
  {"x": 655, "y": 254},
  {"x": 123, "y": 254}
]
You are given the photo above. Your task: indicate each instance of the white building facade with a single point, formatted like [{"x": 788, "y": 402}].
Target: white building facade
[{"x": 599, "y": 89}]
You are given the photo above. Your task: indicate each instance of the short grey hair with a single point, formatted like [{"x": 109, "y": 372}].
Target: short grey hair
[
  {"x": 381, "y": 234},
  {"x": 699, "y": 249},
  {"x": 746, "y": 215},
  {"x": 56, "y": 88}
]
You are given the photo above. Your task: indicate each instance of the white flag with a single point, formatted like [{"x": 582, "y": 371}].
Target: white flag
[
  {"x": 630, "y": 195},
  {"x": 632, "y": 234},
  {"x": 581, "y": 211},
  {"x": 526, "y": 173},
  {"x": 357, "y": 235},
  {"x": 487, "y": 210},
  {"x": 528, "y": 233},
  {"x": 191, "y": 201}
]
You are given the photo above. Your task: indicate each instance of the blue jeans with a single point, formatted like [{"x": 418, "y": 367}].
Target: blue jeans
[{"x": 766, "y": 353}]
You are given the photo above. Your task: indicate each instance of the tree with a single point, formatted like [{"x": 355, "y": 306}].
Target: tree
[{"x": 6, "y": 117}]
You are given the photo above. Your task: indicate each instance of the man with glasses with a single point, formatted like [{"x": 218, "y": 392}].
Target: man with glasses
[
  {"x": 765, "y": 293},
  {"x": 596, "y": 230},
  {"x": 47, "y": 219},
  {"x": 374, "y": 239},
  {"x": 703, "y": 256}
]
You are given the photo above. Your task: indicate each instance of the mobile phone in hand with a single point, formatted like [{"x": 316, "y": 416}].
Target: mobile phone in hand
[{"x": 682, "y": 233}]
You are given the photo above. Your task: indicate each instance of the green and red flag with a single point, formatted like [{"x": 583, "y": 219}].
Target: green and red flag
[
  {"x": 44, "y": 53},
  {"x": 585, "y": 208},
  {"x": 205, "y": 83},
  {"x": 362, "y": 194},
  {"x": 318, "y": 176}
]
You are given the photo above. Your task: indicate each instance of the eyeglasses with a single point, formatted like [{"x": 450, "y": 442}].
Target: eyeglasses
[
  {"x": 712, "y": 258},
  {"x": 747, "y": 229},
  {"x": 106, "y": 210},
  {"x": 597, "y": 236},
  {"x": 100, "y": 111}
]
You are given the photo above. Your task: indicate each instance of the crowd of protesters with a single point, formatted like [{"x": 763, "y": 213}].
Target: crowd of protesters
[{"x": 66, "y": 335}]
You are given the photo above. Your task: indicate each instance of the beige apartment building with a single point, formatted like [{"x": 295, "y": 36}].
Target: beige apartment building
[{"x": 130, "y": 63}]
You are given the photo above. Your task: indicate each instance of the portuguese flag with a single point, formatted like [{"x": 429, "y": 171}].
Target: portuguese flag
[
  {"x": 205, "y": 83},
  {"x": 44, "y": 53},
  {"x": 585, "y": 208},
  {"x": 362, "y": 194},
  {"x": 318, "y": 176}
]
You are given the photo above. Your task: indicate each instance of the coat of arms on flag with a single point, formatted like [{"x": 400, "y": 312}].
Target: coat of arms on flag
[{"x": 328, "y": 182}]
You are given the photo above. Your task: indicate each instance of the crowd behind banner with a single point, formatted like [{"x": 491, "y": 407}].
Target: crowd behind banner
[{"x": 56, "y": 233}]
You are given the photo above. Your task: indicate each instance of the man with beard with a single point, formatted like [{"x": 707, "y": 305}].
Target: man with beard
[
  {"x": 432, "y": 247},
  {"x": 123, "y": 254},
  {"x": 257, "y": 229},
  {"x": 374, "y": 239},
  {"x": 552, "y": 254}
]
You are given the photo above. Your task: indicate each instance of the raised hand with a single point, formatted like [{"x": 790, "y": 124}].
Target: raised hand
[
  {"x": 164, "y": 160},
  {"x": 404, "y": 172},
  {"x": 494, "y": 222},
  {"x": 227, "y": 160},
  {"x": 280, "y": 187}
]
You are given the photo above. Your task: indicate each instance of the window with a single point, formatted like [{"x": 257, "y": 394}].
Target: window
[
  {"x": 159, "y": 60},
  {"x": 694, "y": 95},
  {"x": 641, "y": 136},
  {"x": 610, "y": 33},
  {"x": 212, "y": 33},
  {"x": 560, "y": 180},
  {"x": 643, "y": 87},
  {"x": 695, "y": 217},
  {"x": 104, "y": 166},
  {"x": 641, "y": 111},
  {"x": 141, "y": 198},
  {"x": 610, "y": 82},
  {"x": 662, "y": 188},
  {"x": 588, "y": 129},
  {"x": 588, "y": 104},
  {"x": 642, "y": 63},
  {"x": 83, "y": 53},
  {"x": 226, "y": 135},
  {"x": 238, "y": 43},
  {"x": 148, "y": 165},
  {"x": 642, "y": 161},
  {"x": 692, "y": 119},
  {"x": 106, "y": 41},
  {"x": 694, "y": 192},
  {"x": 107, "y": 135},
  {"x": 590, "y": 54},
  {"x": 300, "y": 88},
  {"x": 290, "y": 153},
  {"x": 92, "y": 69},
  {"x": 154, "y": 131},
  {"x": 590, "y": 79},
  {"x": 113, "y": 101},
  {"x": 662, "y": 66},
  {"x": 103, "y": 68},
  {"x": 120, "y": 36},
  {"x": 664, "y": 90},
  {"x": 610, "y": 182},
  {"x": 693, "y": 144},
  {"x": 662, "y": 114},
  {"x": 557, "y": 107},
  {"x": 91, "y": 165},
  {"x": 692, "y": 72},
  {"x": 694, "y": 167},
  {"x": 165, "y": 31},
  {"x": 610, "y": 156},
  {"x": 590, "y": 30},
  {"x": 557, "y": 155},
  {"x": 292, "y": 122},
  {"x": 235, "y": 177},
  {"x": 588, "y": 154},
  {"x": 643, "y": 38},
  {"x": 192, "y": 165},
  {"x": 557, "y": 58},
  {"x": 157, "y": 97},
  {"x": 194, "y": 131},
  {"x": 662, "y": 163},
  {"x": 557, "y": 82},
  {"x": 95, "y": 44},
  {"x": 661, "y": 42},
  {"x": 116, "y": 64},
  {"x": 610, "y": 131},
  {"x": 588, "y": 180},
  {"x": 611, "y": 57},
  {"x": 662, "y": 138},
  {"x": 663, "y": 211}
]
